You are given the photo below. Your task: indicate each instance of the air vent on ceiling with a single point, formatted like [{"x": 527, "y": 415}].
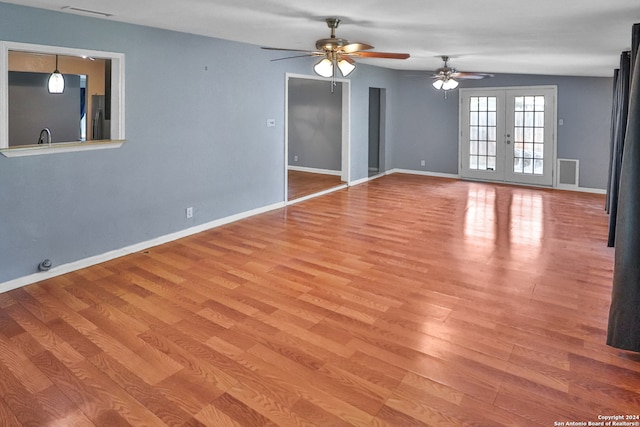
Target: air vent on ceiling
[{"x": 87, "y": 11}]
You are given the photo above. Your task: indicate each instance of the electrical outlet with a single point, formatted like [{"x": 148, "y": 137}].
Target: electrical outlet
[
  {"x": 423, "y": 163},
  {"x": 189, "y": 212},
  {"x": 295, "y": 158}
]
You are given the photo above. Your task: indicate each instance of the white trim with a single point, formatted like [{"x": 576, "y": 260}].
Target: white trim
[
  {"x": 368, "y": 178},
  {"x": 314, "y": 195},
  {"x": 36, "y": 150},
  {"x": 455, "y": 176},
  {"x": 359, "y": 181},
  {"x": 117, "y": 93},
  {"x": 285, "y": 190},
  {"x": 345, "y": 173},
  {"x": 313, "y": 77},
  {"x": 584, "y": 190},
  {"x": 566, "y": 186},
  {"x": 97, "y": 259},
  {"x": 425, "y": 173},
  {"x": 346, "y": 130},
  {"x": 520, "y": 184},
  {"x": 484, "y": 176},
  {"x": 314, "y": 170},
  {"x": 499, "y": 88},
  {"x": 108, "y": 256}
]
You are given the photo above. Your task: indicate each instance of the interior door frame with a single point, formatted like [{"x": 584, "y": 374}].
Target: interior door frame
[
  {"x": 346, "y": 134},
  {"x": 554, "y": 129}
]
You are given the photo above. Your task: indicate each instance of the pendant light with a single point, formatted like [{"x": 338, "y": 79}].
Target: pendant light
[{"x": 56, "y": 80}]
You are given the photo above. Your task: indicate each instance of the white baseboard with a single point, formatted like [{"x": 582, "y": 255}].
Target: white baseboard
[
  {"x": 456, "y": 176},
  {"x": 359, "y": 181},
  {"x": 108, "y": 256},
  {"x": 314, "y": 170},
  {"x": 584, "y": 190},
  {"x": 318, "y": 194},
  {"x": 425, "y": 173},
  {"x": 392, "y": 171},
  {"x": 97, "y": 259},
  {"x": 368, "y": 178}
]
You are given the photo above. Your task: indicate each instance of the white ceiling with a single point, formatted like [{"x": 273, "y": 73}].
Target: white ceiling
[{"x": 563, "y": 37}]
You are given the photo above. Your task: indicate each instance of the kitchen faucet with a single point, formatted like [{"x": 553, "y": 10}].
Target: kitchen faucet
[{"x": 45, "y": 136}]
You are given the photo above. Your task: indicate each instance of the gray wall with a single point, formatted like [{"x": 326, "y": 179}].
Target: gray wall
[
  {"x": 32, "y": 108},
  {"x": 366, "y": 78},
  {"x": 315, "y": 124},
  {"x": 430, "y": 122},
  {"x": 201, "y": 142}
]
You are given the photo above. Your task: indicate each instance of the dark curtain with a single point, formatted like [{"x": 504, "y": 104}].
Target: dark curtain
[
  {"x": 624, "y": 314},
  {"x": 614, "y": 115},
  {"x": 635, "y": 45},
  {"x": 618, "y": 132}
]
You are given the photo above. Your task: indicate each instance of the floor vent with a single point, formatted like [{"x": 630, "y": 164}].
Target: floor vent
[{"x": 567, "y": 176}]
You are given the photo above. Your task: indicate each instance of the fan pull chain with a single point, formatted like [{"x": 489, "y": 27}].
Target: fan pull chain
[{"x": 333, "y": 75}]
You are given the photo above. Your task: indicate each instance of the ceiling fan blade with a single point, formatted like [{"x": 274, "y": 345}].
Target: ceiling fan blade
[
  {"x": 387, "y": 55},
  {"x": 289, "y": 50},
  {"x": 310, "y": 54},
  {"x": 356, "y": 47},
  {"x": 471, "y": 76}
]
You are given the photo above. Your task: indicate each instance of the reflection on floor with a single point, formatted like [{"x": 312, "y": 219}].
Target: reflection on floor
[
  {"x": 404, "y": 301},
  {"x": 305, "y": 183}
]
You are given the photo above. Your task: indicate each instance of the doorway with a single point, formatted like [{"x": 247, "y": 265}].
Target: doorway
[
  {"x": 316, "y": 136},
  {"x": 376, "y": 131},
  {"x": 508, "y": 134}
]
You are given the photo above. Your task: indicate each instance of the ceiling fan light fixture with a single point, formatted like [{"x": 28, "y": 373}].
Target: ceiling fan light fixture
[
  {"x": 324, "y": 68},
  {"x": 346, "y": 66},
  {"x": 449, "y": 84},
  {"x": 56, "y": 81},
  {"x": 438, "y": 84},
  {"x": 336, "y": 52}
]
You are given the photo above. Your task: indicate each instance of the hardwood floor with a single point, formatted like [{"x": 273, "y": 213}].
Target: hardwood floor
[
  {"x": 406, "y": 301},
  {"x": 306, "y": 183}
]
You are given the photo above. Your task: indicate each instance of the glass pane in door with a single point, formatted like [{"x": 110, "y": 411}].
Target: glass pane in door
[
  {"x": 482, "y": 132},
  {"x": 508, "y": 134},
  {"x": 528, "y": 135}
]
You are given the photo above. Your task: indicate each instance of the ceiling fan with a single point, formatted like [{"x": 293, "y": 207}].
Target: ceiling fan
[
  {"x": 338, "y": 53},
  {"x": 445, "y": 77}
]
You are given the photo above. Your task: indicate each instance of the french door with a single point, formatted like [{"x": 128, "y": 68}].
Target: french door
[{"x": 508, "y": 134}]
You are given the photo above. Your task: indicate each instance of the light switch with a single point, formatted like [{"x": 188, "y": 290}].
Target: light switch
[{"x": 271, "y": 123}]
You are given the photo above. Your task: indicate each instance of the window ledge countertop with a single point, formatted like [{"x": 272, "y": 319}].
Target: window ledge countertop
[{"x": 60, "y": 147}]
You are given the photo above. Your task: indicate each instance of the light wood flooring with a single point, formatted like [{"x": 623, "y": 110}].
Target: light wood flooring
[
  {"x": 303, "y": 184},
  {"x": 406, "y": 301}
]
